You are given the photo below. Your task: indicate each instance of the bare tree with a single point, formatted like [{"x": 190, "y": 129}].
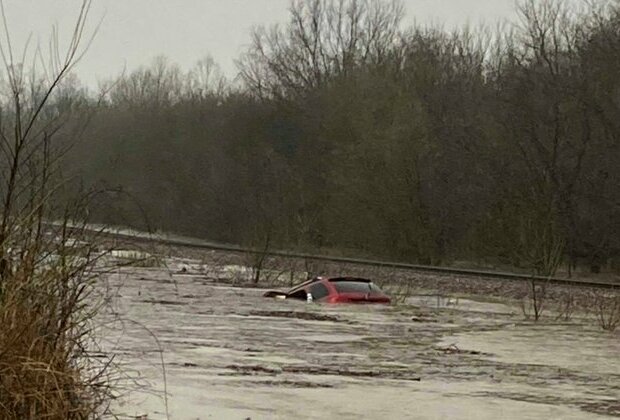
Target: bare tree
[
  {"x": 48, "y": 364},
  {"x": 324, "y": 39}
]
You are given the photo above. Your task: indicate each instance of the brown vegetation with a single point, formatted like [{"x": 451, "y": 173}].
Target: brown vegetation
[{"x": 49, "y": 364}]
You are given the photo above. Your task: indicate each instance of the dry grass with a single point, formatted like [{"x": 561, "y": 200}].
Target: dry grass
[
  {"x": 38, "y": 376},
  {"x": 49, "y": 368}
]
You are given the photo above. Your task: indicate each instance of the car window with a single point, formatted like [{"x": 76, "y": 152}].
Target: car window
[
  {"x": 298, "y": 294},
  {"x": 318, "y": 291},
  {"x": 356, "y": 287}
]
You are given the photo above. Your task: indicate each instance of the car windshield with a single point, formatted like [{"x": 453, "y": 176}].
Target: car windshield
[{"x": 356, "y": 287}]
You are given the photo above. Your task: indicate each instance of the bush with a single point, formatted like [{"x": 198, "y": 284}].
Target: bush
[{"x": 48, "y": 367}]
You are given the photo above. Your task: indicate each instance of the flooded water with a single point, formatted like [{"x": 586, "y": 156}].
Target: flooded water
[{"x": 228, "y": 353}]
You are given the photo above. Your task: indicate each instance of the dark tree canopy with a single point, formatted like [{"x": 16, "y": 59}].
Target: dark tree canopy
[{"x": 349, "y": 133}]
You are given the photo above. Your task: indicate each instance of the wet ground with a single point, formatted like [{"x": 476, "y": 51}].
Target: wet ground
[{"x": 224, "y": 352}]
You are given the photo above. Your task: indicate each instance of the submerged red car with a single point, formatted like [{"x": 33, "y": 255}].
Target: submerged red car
[{"x": 334, "y": 290}]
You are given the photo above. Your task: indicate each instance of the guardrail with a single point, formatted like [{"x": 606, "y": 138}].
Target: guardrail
[{"x": 202, "y": 244}]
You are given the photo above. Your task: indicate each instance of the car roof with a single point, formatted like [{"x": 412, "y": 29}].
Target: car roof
[
  {"x": 352, "y": 279},
  {"x": 305, "y": 283},
  {"x": 328, "y": 279}
]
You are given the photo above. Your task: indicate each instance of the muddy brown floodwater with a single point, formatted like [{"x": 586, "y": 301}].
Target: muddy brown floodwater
[{"x": 231, "y": 354}]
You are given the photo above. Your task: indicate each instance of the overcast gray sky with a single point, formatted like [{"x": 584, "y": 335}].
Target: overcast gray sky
[{"x": 132, "y": 32}]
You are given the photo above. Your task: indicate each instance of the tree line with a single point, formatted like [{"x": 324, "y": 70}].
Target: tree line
[{"x": 348, "y": 132}]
